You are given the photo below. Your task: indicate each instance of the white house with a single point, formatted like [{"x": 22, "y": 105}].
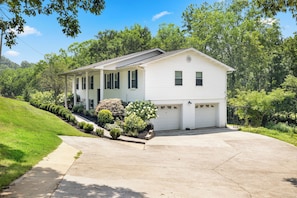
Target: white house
[{"x": 188, "y": 87}]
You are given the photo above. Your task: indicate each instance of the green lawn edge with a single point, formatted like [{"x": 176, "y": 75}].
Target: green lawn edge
[
  {"x": 27, "y": 135},
  {"x": 290, "y": 138}
]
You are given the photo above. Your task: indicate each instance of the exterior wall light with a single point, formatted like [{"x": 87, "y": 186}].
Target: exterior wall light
[{"x": 189, "y": 102}]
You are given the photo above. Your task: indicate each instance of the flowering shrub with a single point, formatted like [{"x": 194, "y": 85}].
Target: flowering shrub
[
  {"x": 114, "y": 105},
  {"x": 143, "y": 109}
]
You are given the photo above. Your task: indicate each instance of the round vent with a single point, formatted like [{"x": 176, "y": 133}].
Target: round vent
[{"x": 189, "y": 59}]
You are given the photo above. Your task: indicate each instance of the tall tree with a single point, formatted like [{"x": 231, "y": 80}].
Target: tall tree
[
  {"x": 49, "y": 69},
  {"x": 169, "y": 37},
  {"x": 272, "y": 7},
  {"x": 135, "y": 39},
  {"x": 67, "y": 14},
  {"x": 290, "y": 54}
]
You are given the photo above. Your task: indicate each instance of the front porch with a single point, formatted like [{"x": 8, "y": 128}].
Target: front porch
[{"x": 87, "y": 84}]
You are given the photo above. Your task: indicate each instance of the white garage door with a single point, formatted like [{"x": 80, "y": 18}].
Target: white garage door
[
  {"x": 205, "y": 115},
  {"x": 168, "y": 118}
]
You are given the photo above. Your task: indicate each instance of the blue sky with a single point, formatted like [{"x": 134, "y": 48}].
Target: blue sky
[{"x": 43, "y": 35}]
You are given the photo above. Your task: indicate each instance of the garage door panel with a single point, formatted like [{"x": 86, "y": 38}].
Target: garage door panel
[
  {"x": 168, "y": 118},
  {"x": 205, "y": 115}
]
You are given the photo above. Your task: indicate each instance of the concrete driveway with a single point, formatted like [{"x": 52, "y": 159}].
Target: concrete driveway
[{"x": 196, "y": 163}]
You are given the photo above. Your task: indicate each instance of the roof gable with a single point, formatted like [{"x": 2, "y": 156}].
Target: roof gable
[
  {"x": 143, "y": 58},
  {"x": 177, "y": 52}
]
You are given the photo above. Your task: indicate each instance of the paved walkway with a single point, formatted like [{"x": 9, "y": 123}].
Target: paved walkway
[{"x": 201, "y": 163}]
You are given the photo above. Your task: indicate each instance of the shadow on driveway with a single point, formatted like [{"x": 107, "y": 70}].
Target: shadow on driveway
[{"x": 74, "y": 189}]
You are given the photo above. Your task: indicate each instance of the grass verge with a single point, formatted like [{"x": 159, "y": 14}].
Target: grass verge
[
  {"x": 288, "y": 137},
  {"x": 27, "y": 134}
]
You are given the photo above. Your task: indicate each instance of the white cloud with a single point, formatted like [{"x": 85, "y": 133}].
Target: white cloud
[
  {"x": 159, "y": 15},
  {"x": 268, "y": 21},
  {"x": 29, "y": 31},
  {"x": 12, "y": 53}
]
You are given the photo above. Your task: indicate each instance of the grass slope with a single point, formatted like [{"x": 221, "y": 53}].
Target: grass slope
[
  {"x": 27, "y": 134},
  {"x": 290, "y": 138}
]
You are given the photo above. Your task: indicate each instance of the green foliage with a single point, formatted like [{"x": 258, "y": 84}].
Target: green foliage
[
  {"x": 81, "y": 124},
  {"x": 290, "y": 83},
  {"x": 271, "y": 8},
  {"x": 104, "y": 117},
  {"x": 282, "y": 127},
  {"x": 65, "y": 11},
  {"x": 115, "y": 133},
  {"x": 43, "y": 97},
  {"x": 133, "y": 124},
  {"x": 169, "y": 37},
  {"x": 286, "y": 137},
  {"x": 146, "y": 110},
  {"x": 88, "y": 127},
  {"x": 27, "y": 135},
  {"x": 114, "y": 105},
  {"x": 13, "y": 82},
  {"x": 252, "y": 106},
  {"x": 109, "y": 126},
  {"x": 100, "y": 132},
  {"x": 78, "y": 108}
]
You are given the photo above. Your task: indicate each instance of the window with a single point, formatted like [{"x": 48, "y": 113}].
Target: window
[
  {"x": 91, "y": 82},
  {"x": 77, "y": 83},
  {"x": 133, "y": 79},
  {"x": 83, "y": 82},
  {"x": 91, "y": 103},
  {"x": 108, "y": 81},
  {"x": 178, "y": 78},
  {"x": 117, "y": 80},
  {"x": 112, "y": 81},
  {"x": 199, "y": 79}
]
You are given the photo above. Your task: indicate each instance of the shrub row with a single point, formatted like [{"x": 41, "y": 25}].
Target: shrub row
[{"x": 55, "y": 109}]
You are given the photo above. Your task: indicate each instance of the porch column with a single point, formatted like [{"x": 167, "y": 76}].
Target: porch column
[
  {"x": 65, "y": 100},
  {"x": 101, "y": 84},
  {"x": 87, "y": 91},
  {"x": 74, "y": 90}
]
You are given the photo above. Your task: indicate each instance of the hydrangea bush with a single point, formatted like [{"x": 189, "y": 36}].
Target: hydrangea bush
[{"x": 146, "y": 110}]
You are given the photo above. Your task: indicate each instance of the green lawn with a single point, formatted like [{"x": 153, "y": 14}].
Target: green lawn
[
  {"x": 27, "y": 134},
  {"x": 290, "y": 138}
]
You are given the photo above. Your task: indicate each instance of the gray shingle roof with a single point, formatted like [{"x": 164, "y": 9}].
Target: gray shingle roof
[{"x": 160, "y": 56}]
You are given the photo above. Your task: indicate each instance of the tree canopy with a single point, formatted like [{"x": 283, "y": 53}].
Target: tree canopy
[
  {"x": 67, "y": 12},
  {"x": 272, "y": 7}
]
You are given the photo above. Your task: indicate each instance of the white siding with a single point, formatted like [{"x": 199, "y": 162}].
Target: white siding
[
  {"x": 131, "y": 94},
  {"x": 160, "y": 79}
]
